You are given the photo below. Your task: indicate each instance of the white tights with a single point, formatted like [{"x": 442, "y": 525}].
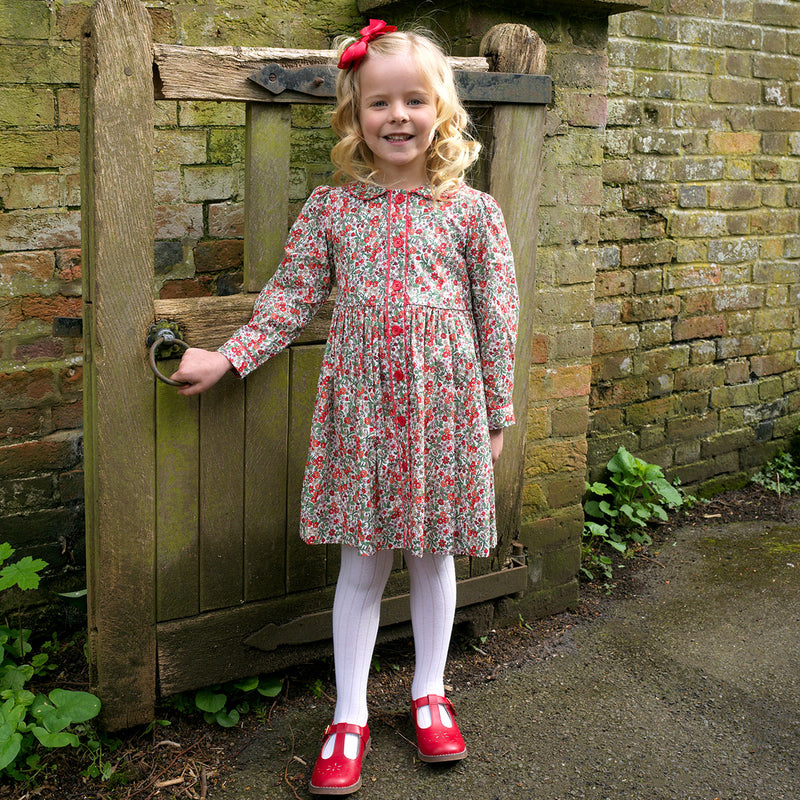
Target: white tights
[{"x": 356, "y": 614}]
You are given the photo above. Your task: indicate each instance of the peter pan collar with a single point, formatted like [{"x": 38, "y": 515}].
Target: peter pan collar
[{"x": 369, "y": 191}]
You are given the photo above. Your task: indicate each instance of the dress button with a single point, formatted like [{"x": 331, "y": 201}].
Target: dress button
[
  {"x": 401, "y": 420},
  {"x": 397, "y": 286},
  {"x": 398, "y": 376},
  {"x": 396, "y": 330}
]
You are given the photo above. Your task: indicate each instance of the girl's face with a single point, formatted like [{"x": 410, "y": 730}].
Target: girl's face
[{"x": 397, "y": 113}]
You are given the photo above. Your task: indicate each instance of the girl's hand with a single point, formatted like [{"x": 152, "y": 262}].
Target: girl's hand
[
  {"x": 200, "y": 370},
  {"x": 496, "y": 442}
]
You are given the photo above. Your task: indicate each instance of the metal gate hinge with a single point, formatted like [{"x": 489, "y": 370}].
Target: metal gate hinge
[{"x": 318, "y": 81}]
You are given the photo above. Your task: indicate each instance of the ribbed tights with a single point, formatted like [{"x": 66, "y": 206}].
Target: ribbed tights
[{"x": 356, "y": 615}]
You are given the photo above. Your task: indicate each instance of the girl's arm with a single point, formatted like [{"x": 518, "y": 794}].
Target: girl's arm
[
  {"x": 495, "y": 308},
  {"x": 496, "y": 441}
]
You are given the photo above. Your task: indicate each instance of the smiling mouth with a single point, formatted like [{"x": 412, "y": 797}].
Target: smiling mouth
[{"x": 398, "y": 137}]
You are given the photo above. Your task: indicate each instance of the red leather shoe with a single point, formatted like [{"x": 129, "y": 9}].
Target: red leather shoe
[
  {"x": 340, "y": 774},
  {"x": 438, "y": 743}
]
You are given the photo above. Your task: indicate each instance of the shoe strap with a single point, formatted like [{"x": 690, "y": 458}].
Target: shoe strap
[
  {"x": 434, "y": 701},
  {"x": 346, "y": 727}
]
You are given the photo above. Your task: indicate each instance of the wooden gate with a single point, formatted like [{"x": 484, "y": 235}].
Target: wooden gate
[{"x": 196, "y": 572}]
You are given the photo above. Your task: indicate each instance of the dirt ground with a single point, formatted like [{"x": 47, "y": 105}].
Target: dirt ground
[{"x": 185, "y": 758}]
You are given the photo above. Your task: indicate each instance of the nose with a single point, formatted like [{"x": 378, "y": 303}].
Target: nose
[{"x": 398, "y": 111}]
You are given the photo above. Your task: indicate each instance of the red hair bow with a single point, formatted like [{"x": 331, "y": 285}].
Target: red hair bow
[{"x": 354, "y": 53}]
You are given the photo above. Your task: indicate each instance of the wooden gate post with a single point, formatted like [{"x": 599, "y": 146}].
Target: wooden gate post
[
  {"x": 517, "y": 140},
  {"x": 117, "y": 251}
]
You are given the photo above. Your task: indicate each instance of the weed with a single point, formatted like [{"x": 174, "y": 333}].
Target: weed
[{"x": 619, "y": 511}]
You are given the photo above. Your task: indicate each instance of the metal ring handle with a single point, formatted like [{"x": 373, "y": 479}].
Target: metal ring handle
[{"x": 168, "y": 337}]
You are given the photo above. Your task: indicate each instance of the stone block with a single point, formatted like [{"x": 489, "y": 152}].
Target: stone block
[
  {"x": 641, "y": 254},
  {"x": 571, "y": 343},
  {"x": 657, "y": 410},
  {"x": 734, "y": 142},
  {"x": 699, "y": 328},
  {"x": 226, "y": 146},
  {"x": 732, "y": 251},
  {"x": 772, "y": 363},
  {"x": 22, "y": 19},
  {"x": 640, "y": 309},
  {"x": 37, "y": 265},
  {"x": 735, "y": 196},
  {"x": 207, "y": 113},
  {"x": 612, "y": 339},
  {"x": 26, "y": 107},
  {"x": 39, "y": 229},
  {"x": 179, "y": 147},
  {"x": 698, "y": 168},
  {"x": 698, "y": 224},
  {"x": 201, "y": 184},
  {"x": 570, "y": 421},
  {"x": 555, "y": 456},
  {"x": 739, "y": 297},
  {"x": 178, "y": 221},
  {"x": 610, "y": 284},
  {"x": 217, "y": 255},
  {"x": 649, "y": 281},
  {"x": 226, "y": 220},
  {"x": 39, "y": 149},
  {"x": 30, "y": 190},
  {"x": 704, "y": 376}
]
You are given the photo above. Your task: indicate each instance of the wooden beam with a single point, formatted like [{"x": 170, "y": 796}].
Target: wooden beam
[
  {"x": 514, "y": 181},
  {"x": 222, "y": 73},
  {"x": 117, "y": 242}
]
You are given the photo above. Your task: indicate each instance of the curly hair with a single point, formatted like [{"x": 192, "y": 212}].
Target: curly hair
[{"x": 453, "y": 149}]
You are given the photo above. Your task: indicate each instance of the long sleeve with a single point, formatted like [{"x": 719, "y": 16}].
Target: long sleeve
[
  {"x": 495, "y": 307},
  {"x": 293, "y": 295}
]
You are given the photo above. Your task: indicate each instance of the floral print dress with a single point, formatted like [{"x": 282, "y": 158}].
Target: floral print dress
[{"x": 418, "y": 366}]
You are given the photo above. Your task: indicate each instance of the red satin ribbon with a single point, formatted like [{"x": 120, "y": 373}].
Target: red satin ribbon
[{"x": 354, "y": 53}]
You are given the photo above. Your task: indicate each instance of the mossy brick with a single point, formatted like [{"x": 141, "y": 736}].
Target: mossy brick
[
  {"x": 612, "y": 339},
  {"x": 305, "y": 115},
  {"x": 226, "y": 220},
  {"x": 58, "y": 451},
  {"x": 737, "y": 371},
  {"x": 165, "y": 114},
  {"x": 576, "y": 69},
  {"x": 641, "y": 309},
  {"x": 701, "y": 377},
  {"x": 40, "y": 63},
  {"x": 783, "y": 119},
  {"x": 605, "y": 420},
  {"x": 22, "y": 494},
  {"x": 696, "y": 61},
  {"x": 216, "y": 255},
  {"x": 38, "y": 265},
  {"x": 178, "y": 220},
  {"x": 770, "y": 221},
  {"x": 603, "y": 447},
  {"x": 312, "y": 146},
  {"x": 179, "y": 147},
  {"x": 543, "y": 458},
  {"x": 619, "y": 392},
  {"x": 770, "y": 389},
  {"x": 648, "y": 281},
  {"x": 39, "y": 229},
  {"x": 26, "y": 106},
  {"x": 23, "y": 19},
  {"x": 534, "y": 500},
  {"x": 167, "y": 185},
  {"x": 648, "y": 196},
  {"x": 166, "y": 255},
  {"x": 743, "y": 394},
  {"x": 652, "y": 411},
  {"x": 68, "y": 109},
  {"x": 699, "y": 328},
  {"x": 651, "y": 436},
  {"x": 773, "y": 363},
  {"x": 553, "y": 531},
  {"x": 638, "y": 54},
  {"x": 226, "y": 146},
  {"x": 30, "y": 190},
  {"x": 208, "y": 113},
  {"x": 691, "y": 251},
  {"x": 615, "y": 228},
  {"x": 698, "y": 302},
  {"x": 570, "y": 421},
  {"x": 739, "y": 297},
  {"x": 611, "y": 367},
  {"x": 703, "y": 352},
  {"x": 39, "y": 149},
  {"x": 775, "y": 319},
  {"x": 558, "y": 226},
  {"x": 662, "y": 359},
  {"x": 618, "y": 142},
  {"x": 734, "y": 142},
  {"x": 773, "y": 12},
  {"x": 699, "y": 168},
  {"x": 623, "y": 111},
  {"x": 736, "y": 36},
  {"x": 653, "y": 252},
  {"x": 698, "y": 224},
  {"x": 695, "y": 402},
  {"x": 780, "y": 272},
  {"x": 572, "y": 343},
  {"x": 611, "y": 284},
  {"x": 735, "y": 196},
  {"x": 732, "y": 251},
  {"x": 692, "y": 426},
  {"x": 201, "y": 184}
]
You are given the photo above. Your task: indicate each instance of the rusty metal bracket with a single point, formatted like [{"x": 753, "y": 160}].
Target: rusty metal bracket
[{"x": 473, "y": 87}]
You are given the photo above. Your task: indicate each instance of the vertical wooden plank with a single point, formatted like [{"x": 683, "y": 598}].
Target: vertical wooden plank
[
  {"x": 117, "y": 244},
  {"x": 265, "y": 449},
  {"x": 266, "y": 191},
  {"x": 221, "y": 494},
  {"x": 177, "y": 478},
  {"x": 514, "y": 181},
  {"x": 305, "y": 565}
]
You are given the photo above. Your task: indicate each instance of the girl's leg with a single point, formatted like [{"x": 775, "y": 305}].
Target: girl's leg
[
  {"x": 433, "y": 607},
  {"x": 356, "y": 614}
]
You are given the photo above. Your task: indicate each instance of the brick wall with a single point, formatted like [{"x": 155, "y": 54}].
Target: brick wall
[{"x": 696, "y": 334}]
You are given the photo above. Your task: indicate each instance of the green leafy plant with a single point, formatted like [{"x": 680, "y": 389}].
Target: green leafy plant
[
  {"x": 619, "y": 510},
  {"x": 781, "y": 474},
  {"x": 224, "y": 704},
  {"x": 29, "y": 720}
]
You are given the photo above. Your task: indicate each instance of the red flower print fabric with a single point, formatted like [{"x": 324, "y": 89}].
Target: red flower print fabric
[{"x": 418, "y": 366}]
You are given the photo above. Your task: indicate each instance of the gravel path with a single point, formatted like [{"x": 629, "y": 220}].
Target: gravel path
[{"x": 687, "y": 690}]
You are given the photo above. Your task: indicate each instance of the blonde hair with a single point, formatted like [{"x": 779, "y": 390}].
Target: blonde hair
[{"x": 452, "y": 150}]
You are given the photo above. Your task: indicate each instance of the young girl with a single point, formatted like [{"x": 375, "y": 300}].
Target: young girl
[{"x": 416, "y": 383}]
